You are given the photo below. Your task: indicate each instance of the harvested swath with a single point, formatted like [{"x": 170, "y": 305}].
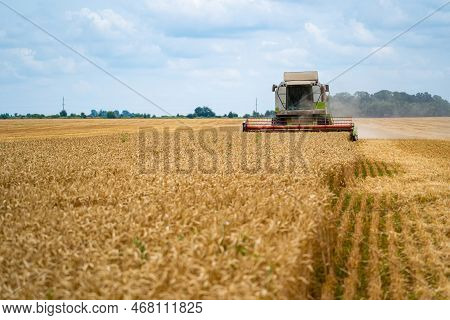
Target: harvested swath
[{"x": 396, "y": 246}]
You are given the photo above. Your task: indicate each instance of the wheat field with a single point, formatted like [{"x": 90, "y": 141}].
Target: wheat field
[{"x": 158, "y": 209}]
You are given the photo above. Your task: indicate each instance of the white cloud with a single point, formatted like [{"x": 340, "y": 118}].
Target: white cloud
[
  {"x": 361, "y": 32},
  {"x": 319, "y": 35},
  {"x": 105, "y": 21},
  {"x": 27, "y": 56},
  {"x": 25, "y": 61},
  {"x": 288, "y": 57},
  {"x": 8, "y": 72},
  {"x": 315, "y": 31},
  {"x": 66, "y": 65},
  {"x": 211, "y": 17},
  {"x": 215, "y": 11},
  {"x": 323, "y": 43},
  {"x": 269, "y": 43},
  {"x": 179, "y": 64},
  {"x": 384, "y": 53},
  {"x": 393, "y": 13}
]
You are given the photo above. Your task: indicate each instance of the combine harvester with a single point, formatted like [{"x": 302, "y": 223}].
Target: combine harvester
[{"x": 301, "y": 104}]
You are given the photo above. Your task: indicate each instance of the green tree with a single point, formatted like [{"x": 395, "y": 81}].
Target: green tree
[
  {"x": 269, "y": 113},
  {"x": 110, "y": 115},
  {"x": 232, "y": 115},
  {"x": 203, "y": 112}
]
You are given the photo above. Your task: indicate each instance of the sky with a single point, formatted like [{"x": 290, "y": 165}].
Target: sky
[{"x": 181, "y": 54}]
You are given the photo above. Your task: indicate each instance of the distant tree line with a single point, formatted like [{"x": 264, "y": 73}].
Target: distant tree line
[
  {"x": 116, "y": 114},
  {"x": 388, "y": 104},
  {"x": 256, "y": 114},
  {"x": 361, "y": 104},
  {"x": 199, "y": 112},
  {"x": 206, "y": 112}
]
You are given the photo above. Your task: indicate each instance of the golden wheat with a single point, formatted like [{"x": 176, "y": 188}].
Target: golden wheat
[
  {"x": 181, "y": 216},
  {"x": 108, "y": 211}
]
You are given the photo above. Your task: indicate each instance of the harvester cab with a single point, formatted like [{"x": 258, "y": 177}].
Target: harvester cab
[{"x": 301, "y": 104}]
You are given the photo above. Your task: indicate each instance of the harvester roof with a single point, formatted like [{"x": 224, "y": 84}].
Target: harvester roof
[{"x": 309, "y": 76}]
